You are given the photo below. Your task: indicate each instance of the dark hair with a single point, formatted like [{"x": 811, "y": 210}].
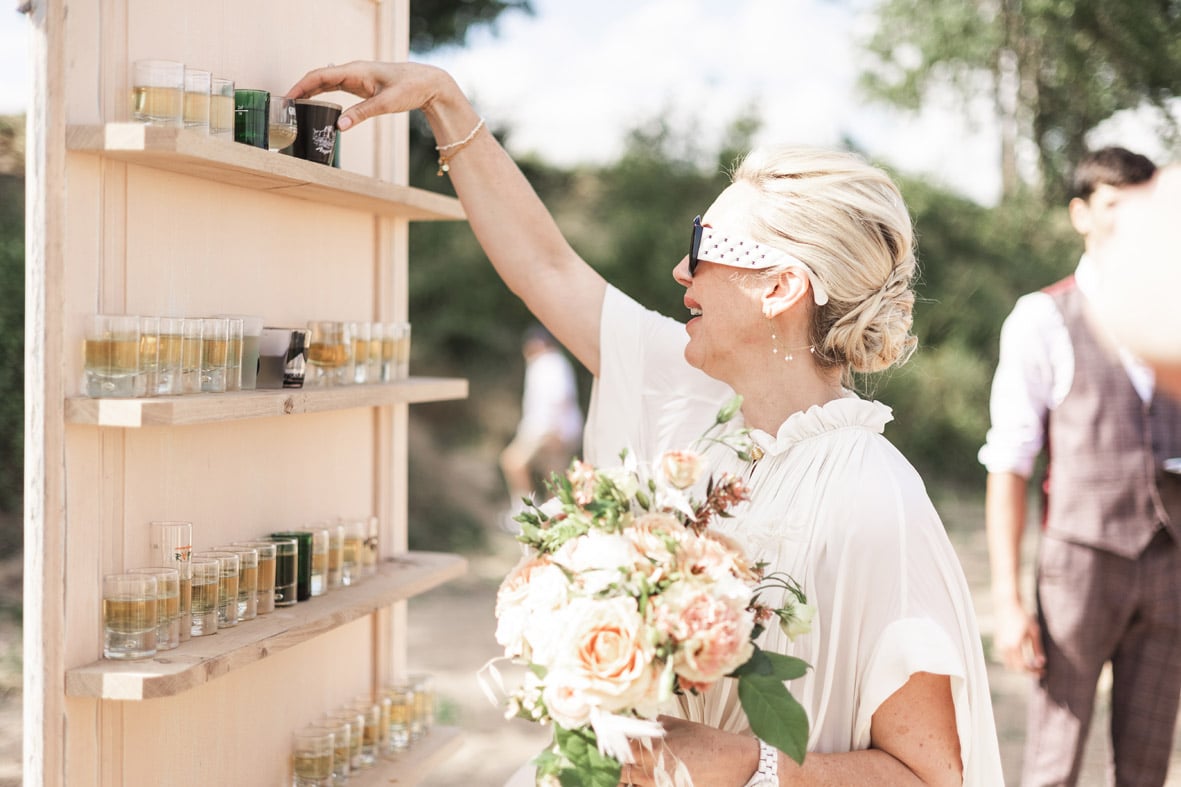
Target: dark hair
[{"x": 1110, "y": 166}]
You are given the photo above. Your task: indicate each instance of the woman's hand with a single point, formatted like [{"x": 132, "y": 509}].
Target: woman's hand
[
  {"x": 385, "y": 87},
  {"x": 713, "y": 757}
]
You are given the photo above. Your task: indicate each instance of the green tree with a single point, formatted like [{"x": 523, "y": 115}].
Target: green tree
[
  {"x": 1052, "y": 69},
  {"x": 12, "y": 325},
  {"x": 437, "y": 23}
]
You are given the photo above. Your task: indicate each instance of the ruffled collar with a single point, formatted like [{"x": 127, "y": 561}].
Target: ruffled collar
[{"x": 850, "y": 411}]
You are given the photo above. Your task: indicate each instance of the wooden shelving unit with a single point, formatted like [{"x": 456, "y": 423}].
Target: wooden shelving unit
[
  {"x": 212, "y": 408},
  {"x": 203, "y": 659},
  {"x": 225, "y": 161}
]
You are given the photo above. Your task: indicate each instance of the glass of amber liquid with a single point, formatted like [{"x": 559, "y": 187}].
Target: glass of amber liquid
[
  {"x": 215, "y": 347},
  {"x": 221, "y": 107},
  {"x": 172, "y": 545},
  {"x": 111, "y": 356},
  {"x": 329, "y": 353},
  {"x": 167, "y": 604},
  {"x": 311, "y": 757},
  {"x": 158, "y": 92},
  {"x": 205, "y": 575},
  {"x": 227, "y": 587},
  {"x": 197, "y": 87},
  {"x": 266, "y": 573},
  {"x": 281, "y": 126},
  {"x": 129, "y": 616},
  {"x": 247, "y": 580}
]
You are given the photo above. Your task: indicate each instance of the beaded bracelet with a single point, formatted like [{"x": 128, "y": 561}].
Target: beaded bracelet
[{"x": 456, "y": 147}]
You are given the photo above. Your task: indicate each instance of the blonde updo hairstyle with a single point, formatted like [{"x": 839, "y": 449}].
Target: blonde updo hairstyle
[{"x": 846, "y": 220}]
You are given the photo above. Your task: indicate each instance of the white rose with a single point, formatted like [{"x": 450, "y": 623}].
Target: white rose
[{"x": 596, "y": 559}]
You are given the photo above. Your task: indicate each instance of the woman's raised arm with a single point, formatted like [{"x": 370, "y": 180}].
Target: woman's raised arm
[{"x": 512, "y": 225}]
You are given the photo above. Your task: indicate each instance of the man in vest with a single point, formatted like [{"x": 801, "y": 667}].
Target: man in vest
[{"x": 1108, "y": 571}]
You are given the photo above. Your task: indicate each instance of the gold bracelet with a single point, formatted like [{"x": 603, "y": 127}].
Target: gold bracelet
[{"x": 456, "y": 147}]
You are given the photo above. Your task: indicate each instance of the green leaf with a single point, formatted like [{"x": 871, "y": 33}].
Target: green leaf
[
  {"x": 786, "y": 667},
  {"x": 588, "y": 766},
  {"x": 757, "y": 664},
  {"x": 774, "y": 714}
]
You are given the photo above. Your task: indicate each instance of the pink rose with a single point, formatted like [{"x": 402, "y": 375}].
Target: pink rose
[{"x": 711, "y": 634}]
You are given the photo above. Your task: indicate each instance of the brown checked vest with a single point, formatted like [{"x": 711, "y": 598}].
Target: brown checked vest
[{"x": 1104, "y": 483}]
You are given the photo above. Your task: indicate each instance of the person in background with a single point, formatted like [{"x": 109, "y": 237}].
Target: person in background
[
  {"x": 1108, "y": 575},
  {"x": 550, "y": 431}
]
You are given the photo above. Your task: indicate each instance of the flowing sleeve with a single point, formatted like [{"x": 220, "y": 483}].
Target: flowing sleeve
[{"x": 646, "y": 398}]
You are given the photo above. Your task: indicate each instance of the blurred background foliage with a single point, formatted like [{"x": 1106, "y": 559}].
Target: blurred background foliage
[{"x": 1050, "y": 69}]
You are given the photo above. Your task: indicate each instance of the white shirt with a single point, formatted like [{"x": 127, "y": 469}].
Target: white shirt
[
  {"x": 835, "y": 505},
  {"x": 1034, "y": 374},
  {"x": 550, "y": 402}
]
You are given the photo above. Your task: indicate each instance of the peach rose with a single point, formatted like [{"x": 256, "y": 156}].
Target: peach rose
[
  {"x": 682, "y": 469},
  {"x": 602, "y": 650}
]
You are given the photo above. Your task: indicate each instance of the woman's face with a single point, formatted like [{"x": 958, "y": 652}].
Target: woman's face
[{"x": 726, "y": 326}]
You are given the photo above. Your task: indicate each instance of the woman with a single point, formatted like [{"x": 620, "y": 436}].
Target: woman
[{"x": 798, "y": 274}]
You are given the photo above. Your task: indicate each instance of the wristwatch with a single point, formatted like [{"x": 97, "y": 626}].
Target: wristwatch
[{"x": 768, "y": 773}]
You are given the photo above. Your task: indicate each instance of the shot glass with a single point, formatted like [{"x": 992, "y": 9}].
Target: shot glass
[
  {"x": 355, "y": 532},
  {"x": 149, "y": 356},
  {"x": 335, "y": 556},
  {"x": 169, "y": 356},
  {"x": 251, "y": 333},
  {"x": 370, "y": 553},
  {"x": 266, "y": 573},
  {"x": 190, "y": 355},
  {"x": 401, "y": 350},
  {"x": 227, "y": 587},
  {"x": 247, "y": 580},
  {"x": 424, "y": 699},
  {"x": 286, "y": 571},
  {"x": 329, "y": 352},
  {"x": 157, "y": 92},
  {"x": 315, "y": 138},
  {"x": 215, "y": 340},
  {"x": 401, "y": 697},
  {"x": 221, "y": 107},
  {"x": 320, "y": 539},
  {"x": 206, "y": 582},
  {"x": 356, "y": 723},
  {"x": 371, "y": 713},
  {"x": 303, "y": 571},
  {"x": 360, "y": 333},
  {"x": 197, "y": 92},
  {"x": 110, "y": 352},
  {"x": 311, "y": 757},
  {"x": 233, "y": 352},
  {"x": 129, "y": 616},
  {"x": 167, "y": 604},
  {"x": 251, "y": 109},
  {"x": 376, "y": 333},
  {"x": 281, "y": 125},
  {"x": 342, "y": 747},
  {"x": 171, "y": 544}
]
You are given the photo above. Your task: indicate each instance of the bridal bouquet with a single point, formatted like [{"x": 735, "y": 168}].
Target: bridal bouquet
[{"x": 625, "y": 597}]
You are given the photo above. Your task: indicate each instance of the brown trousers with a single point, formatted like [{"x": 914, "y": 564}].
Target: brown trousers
[{"x": 1095, "y": 607}]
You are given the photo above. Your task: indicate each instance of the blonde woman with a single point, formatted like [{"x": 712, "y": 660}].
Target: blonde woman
[{"x": 798, "y": 274}]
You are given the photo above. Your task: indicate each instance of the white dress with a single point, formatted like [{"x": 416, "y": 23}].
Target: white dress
[{"x": 835, "y": 505}]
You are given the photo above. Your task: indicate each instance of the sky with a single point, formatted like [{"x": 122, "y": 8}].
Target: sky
[{"x": 573, "y": 79}]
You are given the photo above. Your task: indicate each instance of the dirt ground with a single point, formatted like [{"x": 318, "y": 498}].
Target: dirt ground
[{"x": 452, "y": 628}]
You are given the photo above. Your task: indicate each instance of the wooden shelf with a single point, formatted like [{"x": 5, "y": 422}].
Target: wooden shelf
[
  {"x": 202, "y": 659},
  {"x": 413, "y": 764},
  {"x": 225, "y": 161},
  {"x": 208, "y": 408}
]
